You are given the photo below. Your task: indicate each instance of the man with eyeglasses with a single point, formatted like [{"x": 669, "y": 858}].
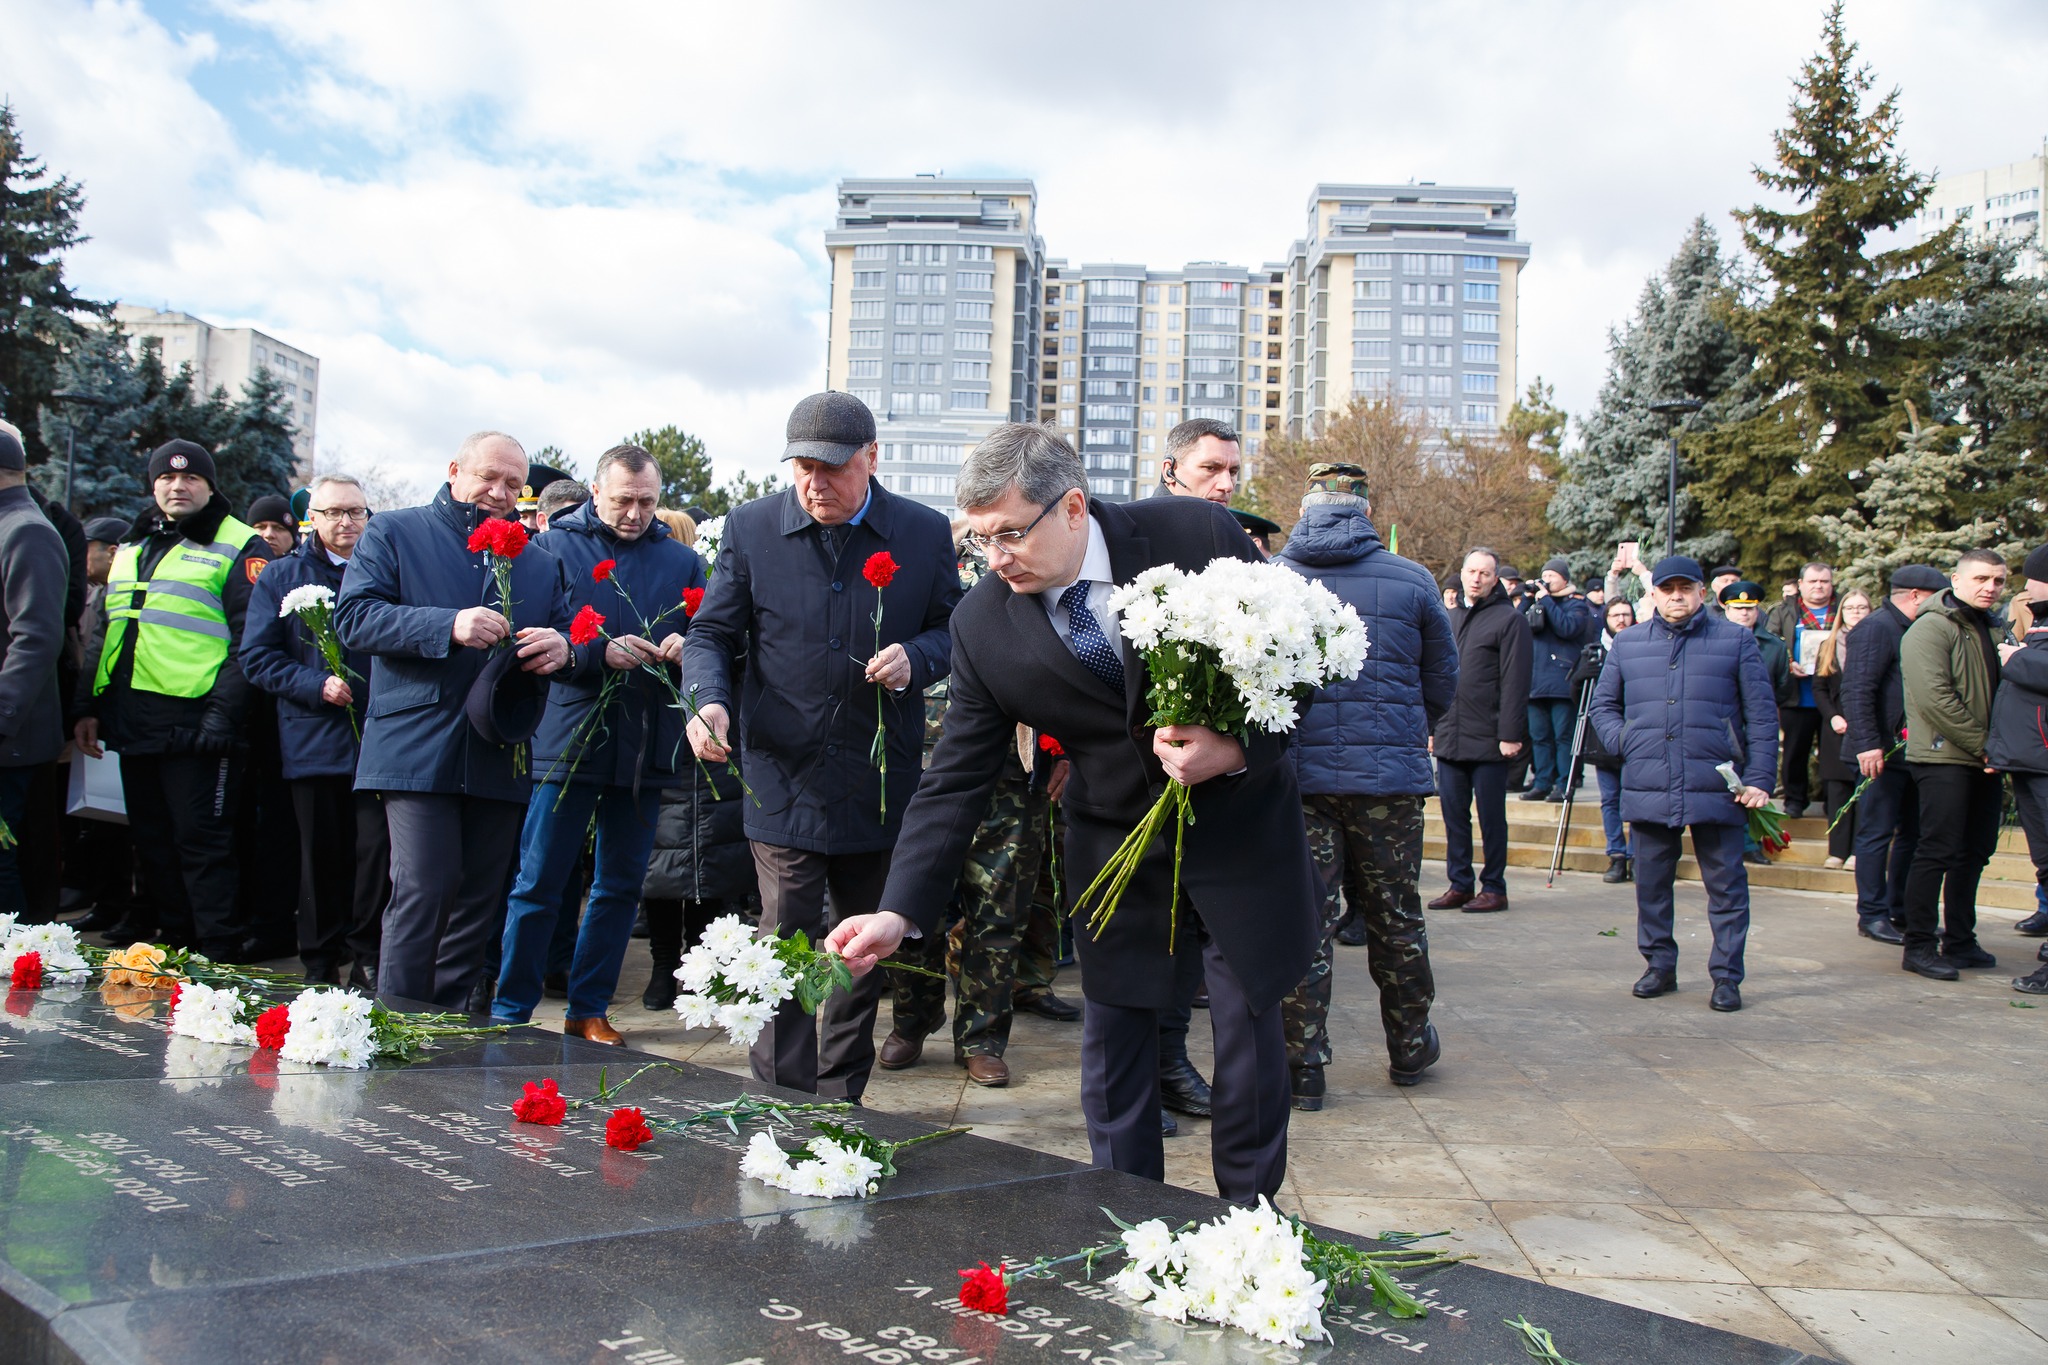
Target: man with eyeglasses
[
  {"x": 793, "y": 593},
  {"x": 1035, "y": 643},
  {"x": 344, "y": 848}
]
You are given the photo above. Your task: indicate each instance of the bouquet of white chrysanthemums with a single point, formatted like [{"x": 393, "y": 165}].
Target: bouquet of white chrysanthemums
[
  {"x": 314, "y": 606},
  {"x": 55, "y": 946},
  {"x": 840, "y": 1162},
  {"x": 214, "y": 1015},
  {"x": 735, "y": 981},
  {"x": 1247, "y": 1269},
  {"x": 1236, "y": 647}
]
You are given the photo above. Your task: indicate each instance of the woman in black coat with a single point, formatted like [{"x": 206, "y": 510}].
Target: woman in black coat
[
  {"x": 1838, "y": 771},
  {"x": 702, "y": 867}
]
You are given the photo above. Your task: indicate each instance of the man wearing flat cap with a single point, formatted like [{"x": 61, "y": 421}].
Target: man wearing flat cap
[
  {"x": 801, "y": 575},
  {"x": 1682, "y": 695},
  {"x": 162, "y": 687}
]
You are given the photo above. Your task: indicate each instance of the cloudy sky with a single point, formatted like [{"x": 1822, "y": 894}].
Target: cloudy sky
[{"x": 573, "y": 221}]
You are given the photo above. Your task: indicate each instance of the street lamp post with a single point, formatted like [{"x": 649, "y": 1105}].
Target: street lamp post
[
  {"x": 90, "y": 400},
  {"x": 1680, "y": 408}
]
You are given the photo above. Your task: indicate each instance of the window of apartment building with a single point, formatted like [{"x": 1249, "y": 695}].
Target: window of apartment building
[
  {"x": 906, "y": 283},
  {"x": 931, "y": 373},
  {"x": 1414, "y": 263},
  {"x": 1443, "y": 293},
  {"x": 1067, "y": 369},
  {"x": 935, "y": 284},
  {"x": 872, "y": 251},
  {"x": 1439, "y": 414},
  {"x": 1069, "y": 345},
  {"x": 1253, "y": 348},
  {"x": 872, "y": 397},
  {"x": 1172, "y": 372},
  {"x": 906, "y": 254},
  {"x": 1173, "y": 293},
  {"x": 1411, "y": 386},
  {"x": 1173, "y": 322},
  {"x": 866, "y": 309},
  {"x": 1071, "y": 318},
  {"x": 1151, "y": 293},
  {"x": 869, "y": 279},
  {"x": 1485, "y": 265},
  {"x": 865, "y": 338},
  {"x": 1482, "y": 352},
  {"x": 1146, "y": 446},
  {"x": 864, "y": 369},
  {"x": 906, "y": 314},
  {"x": 964, "y": 311},
  {"x": 1370, "y": 383},
  {"x": 1476, "y": 292},
  {"x": 1252, "y": 374},
  {"x": 977, "y": 253},
  {"x": 975, "y": 281},
  {"x": 903, "y": 372},
  {"x": 931, "y": 343},
  {"x": 932, "y": 314},
  {"x": 971, "y": 369},
  {"x": 1107, "y": 388},
  {"x": 1151, "y": 322},
  {"x": 1210, "y": 365},
  {"x": 1148, "y": 418},
  {"x": 1112, "y": 364},
  {"x": 1482, "y": 383},
  {"x": 1116, "y": 339},
  {"x": 1149, "y": 393},
  {"x": 1440, "y": 355},
  {"x": 1151, "y": 345},
  {"x": 902, "y": 404},
  {"x": 1052, "y": 293},
  {"x": 1113, "y": 289},
  {"x": 1173, "y": 344},
  {"x": 1365, "y": 320},
  {"x": 1068, "y": 392},
  {"x": 1482, "y": 322},
  {"x": 1214, "y": 317},
  {"x": 1151, "y": 369},
  {"x": 1439, "y": 386},
  {"x": 1273, "y": 398},
  {"x": 1108, "y": 412},
  {"x": 1100, "y": 313},
  {"x": 1414, "y": 293},
  {"x": 927, "y": 403},
  {"x": 971, "y": 341},
  {"x": 1482, "y": 414},
  {"x": 1172, "y": 394},
  {"x": 1443, "y": 265},
  {"x": 1412, "y": 324},
  {"x": 1441, "y": 324},
  {"x": 1206, "y": 290},
  {"x": 1372, "y": 289},
  {"x": 965, "y": 400},
  {"x": 1414, "y": 353},
  {"x": 1360, "y": 350},
  {"x": 1367, "y": 260}
]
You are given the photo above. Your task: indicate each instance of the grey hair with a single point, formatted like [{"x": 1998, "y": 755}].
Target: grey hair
[
  {"x": 631, "y": 458},
  {"x": 1486, "y": 550},
  {"x": 1183, "y": 438},
  {"x": 1033, "y": 458},
  {"x": 1323, "y": 498},
  {"x": 560, "y": 496},
  {"x": 476, "y": 439},
  {"x": 322, "y": 480}
]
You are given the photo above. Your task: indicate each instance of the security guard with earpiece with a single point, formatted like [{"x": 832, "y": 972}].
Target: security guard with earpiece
[{"x": 162, "y": 688}]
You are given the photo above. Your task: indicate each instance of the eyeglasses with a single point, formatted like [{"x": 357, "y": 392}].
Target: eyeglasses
[
  {"x": 1009, "y": 541},
  {"x": 342, "y": 513}
]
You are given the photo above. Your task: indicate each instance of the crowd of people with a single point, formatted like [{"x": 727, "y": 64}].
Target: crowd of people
[{"x": 447, "y": 763}]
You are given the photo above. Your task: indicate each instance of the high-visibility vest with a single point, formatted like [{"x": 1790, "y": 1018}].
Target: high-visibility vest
[{"x": 178, "y": 615}]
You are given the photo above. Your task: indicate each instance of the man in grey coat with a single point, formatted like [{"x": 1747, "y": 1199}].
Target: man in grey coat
[{"x": 34, "y": 575}]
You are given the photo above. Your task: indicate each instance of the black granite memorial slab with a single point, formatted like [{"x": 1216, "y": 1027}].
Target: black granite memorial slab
[
  {"x": 873, "y": 1281},
  {"x": 83, "y": 1034}
]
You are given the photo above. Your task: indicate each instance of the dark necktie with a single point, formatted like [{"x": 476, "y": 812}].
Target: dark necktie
[{"x": 1091, "y": 646}]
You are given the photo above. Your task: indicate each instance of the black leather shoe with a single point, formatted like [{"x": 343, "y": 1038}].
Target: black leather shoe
[
  {"x": 1972, "y": 957},
  {"x": 1755, "y": 858},
  {"x": 1556, "y": 798},
  {"x": 1307, "y": 1089},
  {"x": 1167, "y": 1126},
  {"x": 265, "y": 948},
  {"x": 661, "y": 986},
  {"x": 2043, "y": 954},
  {"x": 1413, "y": 1056},
  {"x": 1793, "y": 812},
  {"x": 1617, "y": 871},
  {"x": 1535, "y": 794},
  {"x": 98, "y": 920},
  {"x": 1351, "y": 933},
  {"x": 1727, "y": 999},
  {"x": 1879, "y": 929},
  {"x": 2033, "y": 926},
  {"x": 322, "y": 974},
  {"x": 1924, "y": 961},
  {"x": 1654, "y": 983},
  {"x": 481, "y": 995},
  {"x": 2037, "y": 984},
  {"x": 1046, "y": 1005},
  {"x": 1182, "y": 1089},
  {"x": 363, "y": 977},
  {"x": 131, "y": 930}
]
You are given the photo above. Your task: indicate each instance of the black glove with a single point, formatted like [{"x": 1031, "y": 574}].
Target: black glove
[{"x": 209, "y": 740}]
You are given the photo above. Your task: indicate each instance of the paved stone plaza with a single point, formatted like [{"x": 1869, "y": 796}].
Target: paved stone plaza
[{"x": 1853, "y": 1165}]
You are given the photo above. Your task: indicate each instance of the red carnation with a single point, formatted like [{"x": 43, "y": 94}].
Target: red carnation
[
  {"x": 693, "y": 598},
  {"x": 272, "y": 1025},
  {"x": 1052, "y": 746},
  {"x": 880, "y": 569},
  {"x": 482, "y": 537},
  {"x": 177, "y": 989},
  {"x": 28, "y": 972},
  {"x": 984, "y": 1290},
  {"x": 511, "y": 540},
  {"x": 541, "y": 1103},
  {"x": 602, "y": 570},
  {"x": 587, "y": 626},
  {"x": 626, "y": 1129}
]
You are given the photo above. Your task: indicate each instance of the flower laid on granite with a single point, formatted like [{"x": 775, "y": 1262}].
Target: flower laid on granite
[
  {"x": 59, "y": 955},
  {"x": 759, "y": 1109},
  {"x": 330, "y": 1028},
  {"x": 735, "y": 981},
  {"x": 839, "y": 1163},
  {"x": 138, "y": 965},
  {"x": 627, "y": 1129},
  {"x": 27, "y": 974},
  {"x": 1234, "y": 647},
  {"x": 214, "y": 1015},
  {"x": 985, "y": 1290},
  {"x": 271, "y": 1027},
  {"x": 1536, "y": 1342},
  {"x": 542, "y": 1104}
]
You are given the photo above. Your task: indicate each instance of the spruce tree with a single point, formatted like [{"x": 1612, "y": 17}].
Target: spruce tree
[
  {"x": 1614, "y": 485},
  {"x": 1906, "y": 513},
  {"x": 39, "y": 312},
  {"x": 1832, "y": 358},
  {"x": 256, "y": 456}
]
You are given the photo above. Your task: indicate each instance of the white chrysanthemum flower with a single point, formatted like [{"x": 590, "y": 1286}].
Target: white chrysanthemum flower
[
  {"x": 1151, "y": 1247},
  {"x": 1170, "y": 1301},
  {"x": 726, "y": 937},
  {"x": 697, "y": 1011},
  {"x": 743, "y": 1020},
  {"x": 755, "y": 969},
  {"x": 1133, "y": 1283},
  {"x": 698, "y": 969},
  {"x": 7, "y": 923},
  {"x": 311, "y": 596},
  {"x": 764, "y": 1159},
  {"x": 56, "y": 944}
]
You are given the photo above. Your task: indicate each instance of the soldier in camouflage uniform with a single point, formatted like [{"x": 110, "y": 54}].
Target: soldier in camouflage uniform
[{"x": 1362, "y": 758}]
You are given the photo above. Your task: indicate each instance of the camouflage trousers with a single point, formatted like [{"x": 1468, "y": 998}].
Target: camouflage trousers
[
  {"x": 981, "y": 951},
  {"x": 1367, "y": 852}
]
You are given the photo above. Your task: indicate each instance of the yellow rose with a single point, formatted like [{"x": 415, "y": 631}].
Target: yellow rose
[{"x": 136, "y": 965}]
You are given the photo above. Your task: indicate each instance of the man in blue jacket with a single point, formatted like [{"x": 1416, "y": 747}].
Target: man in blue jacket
[
  {"x": 1682, "y": 694},
  {"x": 611, "y": 740},
  {"x": 425, "y": 607},
  {"x": 792, "y": 593},
  {"x": 1561, "y": 623},
  {"x": 344, "y": 851},
  {"x": 1362, "y": 759}
]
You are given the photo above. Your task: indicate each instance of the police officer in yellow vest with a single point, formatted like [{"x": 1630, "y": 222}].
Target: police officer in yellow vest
[{"x": 163, "y": 689}]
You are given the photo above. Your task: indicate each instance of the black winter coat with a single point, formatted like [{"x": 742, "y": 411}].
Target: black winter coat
[
  {"x": 33, "y": 571},
  {"x": 314, "y": 737},
  {"x": 1836, "y": 765},
  {"x": 2019, "y": 709},
  {"x": 1495, "y": 650},
  {"x": 701, "y": 851},
  {"x": 806, "y": 713},
  {"x": 1873, "y": 691}
]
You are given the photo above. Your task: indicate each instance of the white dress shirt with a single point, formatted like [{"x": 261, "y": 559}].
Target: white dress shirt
[{"x": 1095, "y": 572}]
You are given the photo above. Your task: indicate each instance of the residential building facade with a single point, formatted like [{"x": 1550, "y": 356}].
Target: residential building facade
[
  {"x": 2001, "y": 200},
  {"x": 228, "y": 357}
]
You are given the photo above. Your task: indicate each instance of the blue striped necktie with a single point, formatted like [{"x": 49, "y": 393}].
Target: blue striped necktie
[{"x": 1091, "y": 646}]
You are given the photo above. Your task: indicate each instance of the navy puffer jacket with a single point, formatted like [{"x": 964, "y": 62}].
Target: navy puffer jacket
[
  {"x": 639, "y": 740},
  {"x": 1560, "y": 628},
  {"x": 1370, "y": 736},
  {"x": 1676, "y": 701}
]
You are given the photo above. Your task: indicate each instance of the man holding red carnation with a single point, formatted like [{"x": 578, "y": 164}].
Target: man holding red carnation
[
  {"x": 830, "y": 655},
  {"x": 610, "y": 742},
  {"x": 454, "y": 634}
]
